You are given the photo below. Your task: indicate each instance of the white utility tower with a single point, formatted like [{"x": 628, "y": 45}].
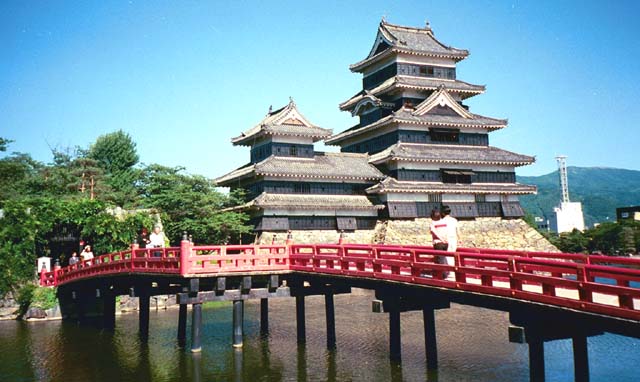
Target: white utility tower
[
  {"x": 568, "y": 214},
  {"x": 562, "y": 171}
]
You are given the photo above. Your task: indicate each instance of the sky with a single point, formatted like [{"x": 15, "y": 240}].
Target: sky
[{"x": 183, "y": 78}]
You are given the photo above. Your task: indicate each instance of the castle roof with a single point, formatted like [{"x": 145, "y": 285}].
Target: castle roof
[
  {"x": 306, "y": 201},
  {"x": 393, "y": 185},
  {"x": 347, "y": 166},
  {"x": 465, "y": 89},
  {"x": 400, "y": 39},
  {"x": 287, "y": 121},
  {"x": 438, "y": 110},
  {"x": 452, "y": 154}
]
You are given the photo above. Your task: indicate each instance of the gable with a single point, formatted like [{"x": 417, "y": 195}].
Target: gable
[{"x": 440, "y": 102}]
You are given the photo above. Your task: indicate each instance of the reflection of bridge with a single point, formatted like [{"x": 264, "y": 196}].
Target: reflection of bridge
[{"x": 547, "y": 295}]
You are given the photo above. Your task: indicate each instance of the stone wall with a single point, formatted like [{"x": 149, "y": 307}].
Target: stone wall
[{"x": 480, "y": 233}]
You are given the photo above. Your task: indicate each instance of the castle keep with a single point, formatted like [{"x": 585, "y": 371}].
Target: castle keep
[{"x": 416, "y": 147}]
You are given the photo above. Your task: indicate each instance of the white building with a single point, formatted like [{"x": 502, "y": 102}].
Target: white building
[{"x": 568, "y": 217}]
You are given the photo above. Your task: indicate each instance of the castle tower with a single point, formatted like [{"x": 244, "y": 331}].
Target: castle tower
[
  {"x": 292, "y": 187},
  {"x": 415, "y": 127}
]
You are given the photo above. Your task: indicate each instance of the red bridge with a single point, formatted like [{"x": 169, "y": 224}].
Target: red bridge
[{"x": 548, "y": 295}]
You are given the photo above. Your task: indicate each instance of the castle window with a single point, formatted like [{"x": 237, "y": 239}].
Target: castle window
[
  {"x": 444, "y": 135},
  {"x": 293, "y": 151}
]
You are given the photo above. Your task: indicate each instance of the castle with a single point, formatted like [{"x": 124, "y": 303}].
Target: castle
[{"x": 416, "y": 147}]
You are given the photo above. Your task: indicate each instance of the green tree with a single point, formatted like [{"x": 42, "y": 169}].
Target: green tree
[
  {"x": 191, "y": 203},
  {"x": 4, "y": 143},
  {"x": 19, "y": 175},
  {"x": 116, "y": 154}
]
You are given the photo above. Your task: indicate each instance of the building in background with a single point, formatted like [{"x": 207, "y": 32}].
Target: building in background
[
  {"x": 628, "y": 213},
  {"x": 568, "y": 215}
]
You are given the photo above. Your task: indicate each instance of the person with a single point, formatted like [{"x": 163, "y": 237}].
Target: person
[
  {"x": 452, "y": 231},
  {"x": 143, "y": 238},
  {"x": 74, "y": 258},
  {"x": 156, "y": 240},
  {"x": 87, "y": 254},
  {"x": 438, "y": 230}
]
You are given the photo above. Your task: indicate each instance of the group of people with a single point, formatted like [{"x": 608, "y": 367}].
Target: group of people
[
  {"x": 145, "y": 240},
  {"x": 86, "y": 254},
  {"x": 154, "y": 240}
]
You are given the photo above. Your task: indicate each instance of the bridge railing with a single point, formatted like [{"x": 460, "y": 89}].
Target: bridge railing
[
  {"x": 235, "y": 258},
  {"x": 600, "y": 284},
  {"x": 571, "y": 280}
]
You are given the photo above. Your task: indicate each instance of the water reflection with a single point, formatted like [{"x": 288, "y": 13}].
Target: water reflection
[{"x": 472, "y": 345}]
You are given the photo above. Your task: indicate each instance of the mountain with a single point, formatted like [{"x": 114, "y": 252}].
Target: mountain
[{"x": 601, "y": 190}]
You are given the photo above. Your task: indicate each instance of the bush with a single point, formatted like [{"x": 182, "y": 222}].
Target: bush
[
  {"x": 44, "y": 298},
  {"x": 33, "y": 296},
  {"x": 24, "y": 298}
]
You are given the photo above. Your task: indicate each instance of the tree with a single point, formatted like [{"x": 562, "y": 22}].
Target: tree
[
  {"x": 191, "y": 203},
  {"x": 116, "y": 154},
  {"x": 19, "y": 175},
  {"x": 4, "y": 143}
]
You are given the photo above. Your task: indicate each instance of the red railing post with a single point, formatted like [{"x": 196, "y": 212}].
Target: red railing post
[
  {"x": 185, "y": 254},
  {"x": 134, "y": 247},
  {"x": 43, "y": 275},
  {"x": 56, "y": 270}
]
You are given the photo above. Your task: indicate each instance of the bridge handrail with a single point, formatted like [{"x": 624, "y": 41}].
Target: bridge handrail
[{"x": 571, "y": 280}]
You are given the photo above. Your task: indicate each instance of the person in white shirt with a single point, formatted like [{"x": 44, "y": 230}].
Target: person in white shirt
[
  {"x": 156, "y": 240},
  {"x": 451, "y": 230},
  {"x": 87, "y": 254}
]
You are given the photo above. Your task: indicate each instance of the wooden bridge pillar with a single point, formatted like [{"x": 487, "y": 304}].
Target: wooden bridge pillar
[
  {"x": 430, "y": 342},
  {"x": 536, "y": 360},
  {"x": 144, "y": 298},
  {"x": 300, "y": 324},
  {"x": 395, "y": 347},
  {"x": 108, "y": 309},
  {"x": 238, "y": 318},
  {"x": 182, "y": 325},
  {"x": 331, "y": 320},
  {"x": 580, "y": 359},
  {"x": 196, "y": 328},
  {"x": 264, "y": 316}
]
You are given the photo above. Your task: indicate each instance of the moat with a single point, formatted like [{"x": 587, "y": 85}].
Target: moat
[{"x": 473, "y": 346}]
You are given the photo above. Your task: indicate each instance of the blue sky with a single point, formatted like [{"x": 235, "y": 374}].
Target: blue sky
[{"x": 184, "y": 77}]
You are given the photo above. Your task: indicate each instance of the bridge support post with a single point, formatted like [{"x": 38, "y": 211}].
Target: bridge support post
[
  {"x": 331, "y": 320},
  {"x": 196, "y": 328},
  {"x": 580, "y": 359},
  {"x": 300, "y": 324},
  {"x": 108, "y": 309},
  {"x": 264, "y": 316},
  {"x": 238, "y": 318},
  {"x": 395, "y": 347},
  {"x": 536, "y": 360},
  {"x": 143, "y": 311},
  {"x": 430, "y": 342},
  {"x": 182, "y": 325}
]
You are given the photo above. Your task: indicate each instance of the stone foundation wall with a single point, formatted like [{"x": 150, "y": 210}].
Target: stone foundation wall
[{"x": 481, "y": 233}]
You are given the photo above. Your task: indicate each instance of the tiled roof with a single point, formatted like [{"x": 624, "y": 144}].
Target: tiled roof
[
  {"x": 393, "y": 185},
  {"x": 465, "y": 89},
  {"x": 306, "y": 201},
  {"x": 322, "y": 166},
  {"x": 285, "y": 121},
  {"x": 453, "y": 154},
  {"x": 418, "y": 41},
  {"x": 405, "y": 115}
]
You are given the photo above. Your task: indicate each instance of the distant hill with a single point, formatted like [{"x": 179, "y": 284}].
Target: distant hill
[{"x": 601, "y": 190}]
